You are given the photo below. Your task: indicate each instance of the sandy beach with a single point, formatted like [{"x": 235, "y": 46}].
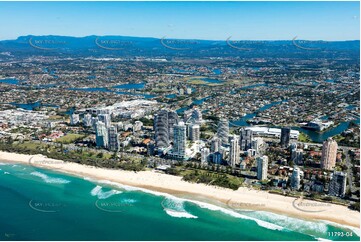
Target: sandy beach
[{"x": 243, "y": 198}]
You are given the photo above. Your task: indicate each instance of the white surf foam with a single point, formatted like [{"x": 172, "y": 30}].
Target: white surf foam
[
  {"x": 97, "y": 191},
  {"x": 175, "y": 211},
  {"x": 353, "y": 229},
  {"x": 316, "y": 228},
  {"x": 49, "y": 179},
  {"x": 175, "y": 207},
  {"x": 235, "y": 214},
  {"x": 200, "y": 204},
  {"x": 322, "y": 239},
  {"x": 6, "y": 173},
  {"x": 178, "y": 214}
]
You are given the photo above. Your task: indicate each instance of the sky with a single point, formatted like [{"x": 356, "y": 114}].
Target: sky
[{"x": 184, "y": 20}]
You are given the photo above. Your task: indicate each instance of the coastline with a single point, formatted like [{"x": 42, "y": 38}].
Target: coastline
[{"x": 243, "y": 198}]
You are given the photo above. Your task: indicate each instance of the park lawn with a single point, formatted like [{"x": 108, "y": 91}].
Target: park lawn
[
  {"x": 304, "y": 138},
  {"x": 56, "y": 117},
  {"x": 69, "y": 138}
]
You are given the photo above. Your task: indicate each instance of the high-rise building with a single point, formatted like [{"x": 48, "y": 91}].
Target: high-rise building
[
  {"x": 197, "y": 115},
  {"x": 217, "y": 158},
  {"x": 187, "y": 115},
  {"x": 257, "y": 144},
  {"x": 223, "y": 130},
  {"x": 101, "y": 135},
  {"x": 105, "y": 118},
  {"x": 234, "y": 152},
  {"x": 293, "y": 150},
  {"x": 296, "y": 178},
  {"x": 161, "y": 129},
  {"x": 113, "y": 138},
  {"x": 216, "y": 144},
  {"x": 189, "y": 90},
  {"x": 194, "y": 132},
  {"x": 337, "y": 185},
  {"x": 179, "y": 146},
  {"x": 137, "y": 126},
  {"x": 298, "y": 159},
  {"x": 74, "y": 119},
  {"x": 204, "y": 155},
  {"x": 245, "y": 139},
  {"x": 262, "y": 167},
  {"x": 329, "y": 154},
  {"x": 285, "y": 136},
  {"x": 164, "y": 123},
  {"x": 87, "y": 120},
  {"x": 94, "y": 122},
  {"x": 173, "y": 119}
]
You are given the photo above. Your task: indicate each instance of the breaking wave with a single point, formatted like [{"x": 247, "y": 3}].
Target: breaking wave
[{"x": 49, "y": 179}]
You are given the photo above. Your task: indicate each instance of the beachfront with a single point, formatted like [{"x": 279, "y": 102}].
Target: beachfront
[{"x": 242, "y": 198}]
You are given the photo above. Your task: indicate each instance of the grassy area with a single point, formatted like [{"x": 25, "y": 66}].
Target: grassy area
[
  {"x": 304, "y": 138},
  {"x": 197, "y": 82},
  {"x": 338, "y": 138},
  {"x": 212, "y": 178},
  {"x": 69, "y": 138},
  {"x": 207, "y": 177},
  {"x": 32, "y": 146},
  {"x": 56, "y": 117},
  {"x": 94, "y": 158}
]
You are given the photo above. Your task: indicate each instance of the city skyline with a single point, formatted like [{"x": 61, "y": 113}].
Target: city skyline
[{"x": 157, "y": 118}]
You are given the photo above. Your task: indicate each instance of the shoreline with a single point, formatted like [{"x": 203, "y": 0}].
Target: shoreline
[{"x": 243, "y": 198}]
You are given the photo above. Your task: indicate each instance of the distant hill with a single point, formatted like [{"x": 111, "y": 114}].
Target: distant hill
[{"x": 127, "y": 46}]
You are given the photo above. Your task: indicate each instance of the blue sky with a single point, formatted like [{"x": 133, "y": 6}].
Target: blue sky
[{"x": 189, "y": 20}]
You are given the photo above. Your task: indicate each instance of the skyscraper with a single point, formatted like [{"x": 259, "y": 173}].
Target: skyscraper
[
  {"x": 216, "y": 144},
  {"x": 74, "y": 119},
  {"x": 173, "y": 119},
  {"x": 94, "y": 122},
  {"x": 105, "y": 118},
  {"x": 298, "y": 159},
  {"x": 137, "y": 126},
  {"x": 337, "y": 185},
  {"x": 87, "y": 120},
  {"x": 257, "y": 144},
  {"x": 329, "y": 154},
  {"x": 262, "y": 167},
  {"x": 234, "y": 152},
  {"x": 194, "y": 132},
  {"x": 101, "y": 135},
  {"x": 296, "y": 178},
  {"x": 285, "y": 136},
  {"x": 113, "y": 139},
  {"x": 204, "y": 155},
  {"x": 245, "y": 139},
  {"x": 223, "y": 130},
  {"x": 164, "y": 123},
  {"x": 217, "y": 158},
  {"x": 197, "y": 115},
  {"x": 179, "y": 146},
  {"x": 161, "y": 129}
]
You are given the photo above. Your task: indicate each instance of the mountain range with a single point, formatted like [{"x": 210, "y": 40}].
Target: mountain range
[{"x": 127, "y": 46}]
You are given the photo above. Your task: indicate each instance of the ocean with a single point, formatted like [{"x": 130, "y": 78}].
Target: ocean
[{"x": 38, "y": 204}]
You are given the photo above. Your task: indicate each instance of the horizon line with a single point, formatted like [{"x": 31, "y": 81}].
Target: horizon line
[{"x": 165, "y": 37}]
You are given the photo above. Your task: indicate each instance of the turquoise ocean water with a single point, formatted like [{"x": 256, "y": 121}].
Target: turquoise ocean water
[{"x": 38, "y": 204}]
